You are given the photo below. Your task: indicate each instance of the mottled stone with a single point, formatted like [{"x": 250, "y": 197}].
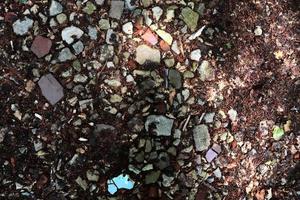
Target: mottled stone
[
  {"x": 41, "y": 46},
  {"x": 163, "y": 125},
  {"x": 21, "y": 27},
  {"x": 201, "y": 137},
  {"x": 116, "y": 9},
  {"x": 190, "y": 17},
  {"x": 51, "y": 88}
]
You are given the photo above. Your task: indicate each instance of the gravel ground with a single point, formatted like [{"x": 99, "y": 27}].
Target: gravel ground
[{"x": 149, "y": 99}]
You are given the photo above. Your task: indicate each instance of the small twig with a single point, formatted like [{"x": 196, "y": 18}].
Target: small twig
[{"x": 186, "y": 122}]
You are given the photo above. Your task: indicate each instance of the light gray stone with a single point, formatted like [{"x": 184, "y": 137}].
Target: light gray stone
[
  {"x": 51, "y": 88},
  {"x": 163, "y": 125},
  {"x": 21, "y": 27},
  {"x": 201, "y": 137},
  {"x": 116, "y": 9},
  {"x": 78, "y": 47},
  {"x": 55, "y": 8},
  {"x": 145, "y": 53},
  {"x": 65, "y": 54},
  {"x": 70, "y": 32}
]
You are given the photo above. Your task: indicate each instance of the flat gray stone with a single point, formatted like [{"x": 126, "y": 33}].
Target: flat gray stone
[
  {"x": 163, "y": 125},
  {"x": 55, "y": 8},
  {"x": 145, "y": 53},
  {"x": 78, "y": 47},
  {"x": 116, "y": 9},
  {"x": 21, "y": 27},
  {"x": 65, "y": 54},
  {"x": 175, "y": 78},
  {"x": 201, "y": 137},
  {"x": 51, "y": 88}
]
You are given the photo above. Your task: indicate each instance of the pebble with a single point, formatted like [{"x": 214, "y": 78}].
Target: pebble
[
  {"x": 21, "y": 27},
  {"x": 201, "y": 137},
  {"x": 116, "y": 9},
  {"x": 78, "y": 47},
  {"x": 152, "y": 177},
  {"x": 145, "y": 54},
  {"x": 79, "y": 78},
  {"x": 89, "y": 8},
  {"x": 175, "y": 78},
  {"x": 163, "y": 125},
  {"x": 70, "y": 32},
  {"x": 115, "y": 98},
  {"x": 111, "y": 37},
  {"x": 206, "y": 72},
  {"x": 55, "y": 8},
  {"x": 128, "y": 28},
  {"x": 209, "y": 117},
  {"x": 104, "y": 24},
  {"x": 106, "y": 52},
  {"x": 165, "y": 36},
  {"x": 232, "y": 115},
  {"x": 190, "y": 17},
  {"x": 157, "y": 12},
  {"x": 92, "y": 32},
  {"x": 61, "y": 18},
  {"x": 41, "y": 46},
  {"x": 65, "y": 54},
  {"x": 196, "y": 55},
  {"x": 148, "y": 36},
  {"x": 258, "y": 31},
  {"x": 51, "y": 88}
]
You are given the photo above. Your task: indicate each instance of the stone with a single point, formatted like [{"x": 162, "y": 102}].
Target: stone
[
  {"x": 157, "y": 12},
  {"x": 103, "y": 127},
  {"x": 128, "y": 28},
  {"x": 163, "y": 161},
  {"x": 92, "y": 32},
  {"x": 21, "y": 27},
  {"x": 115, "y": 98},
  {"x": 209, "y": 117},
  {"x": 201, "y": 137},
  {"x": 207, "y": 73},
  {"x": 65, "y": 54},
  {"x": 175, "y": 78},
  {"x": 79, "y": 78},
  {"x": 175, "y": 47},
  {"x": 148, "y": 36},
  {"x": 196, "y": 55},
  {"x": 99, "y": 2},
  {"x": 111, "y": 37},
  {"x": 92, "y": 175},
  {"x": 106, "y": 52},
  {"x": 89, "y": 8},
  {"x": 167, "y": 180},
  {"x": 104, "y": 24},
  {"x": 210, "y": 155},
  {"x": 152, "y": 177},
  {"x": 145, "y": 54},
  {"x": 55, "y": 8},
  {"x": 82, "y": 183},
  {"x": 165, "y": 36},
  {"x": 136, "y": 125},
  {"x": 61, "y": 18},
  {"x": 163, "y": 125},
  {"x": 51, "y": 88},
  {"x": 70, "y": 32},
  {"x": 78, "y": 47},
  {"x": 116, "y": 9},
  {"x": 41, "y": 46},
  {"x": 232, "y": 115},
  {"x": 146, "y": 3},
  {"x": 258, "y": 31},
  {"x": 190, "y": 17}
]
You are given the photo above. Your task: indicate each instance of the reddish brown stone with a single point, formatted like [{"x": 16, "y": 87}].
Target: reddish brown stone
[
  {"x": 10, "y": 17},
  {"x": 164, "y": 46},
  {"x": 41, "y": 46}
]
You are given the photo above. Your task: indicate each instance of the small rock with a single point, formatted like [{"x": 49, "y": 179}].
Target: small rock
[
  {"x": 89, "y": 8},
  {"x": 148, "y": 36},
  {"x": 92, "y": 175},
  {"x": 104, "y": 24},
  {"x": 157, "y": 12},
  {"x": 21, "y": 27},
  {"x": 152, "y": 177},
  {"x": 163, "y": 125},
  {"x": 111, "y": 37},
  {"x": 175, "y": 47},
  {"x": 93, "y": 33},
  {"x": 201, "y": 137},
  {"x": 55, "y": 8},
  {"x": 41, "y": 46},
  {"x": 61, "y": 18},
  {"x": 115, "y": 98},
  {"x": 146, "y": 3},
  {"x": 116, "y": 9},
  {"x": 78, "y": 47},
  {"x": 190, "y": 17},
  {"x": 232, "y": 115},
  {"x": 165, "y": 36},
  {"x": 99, "y": 2},
  {"x": 258, "y": 31},
  {"x": 65, "y": 54},
  {"x": 51, "y": 89},
  {"x": 167, "y": 180},
  {"x": 128, "y": 28},
  {"x": 145, "y": 53},
  {"x": 82, "y": 183},
  {"x": 196, "y": 55},
  {"x": 79, "y": 78},
  {"x": 163, "y": 161},
  {"x": 175, "y": 78},
  {"x": 106, "y": 52},
  {"x": 70, "y": 32},
  {"x": 206, "y": 72},
  {"x": 209, "y": 117}
]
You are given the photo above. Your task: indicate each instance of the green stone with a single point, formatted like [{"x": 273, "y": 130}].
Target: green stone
[
  {"x": 190, "y": 17},
  {"x": 104, "y": 24},
  {"x": 76, "y": 65},
  {"x": 152, "y": 177},
  {"x": 89, "y": 8}
]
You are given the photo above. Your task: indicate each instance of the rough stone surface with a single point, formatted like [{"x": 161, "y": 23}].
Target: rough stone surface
[
  {"x": 21, "y": 27},
  {"x": 163, "y": 125},
  {"x": 201, "y": 137},
  {"x": 116, "y": 9},
  {"x": 55, "y": 8},
  {"x": 70, "y": 32},
  {"x": 145, "y": 53},
  {"x": 175, "y": 78},
  {"x": 41, "y": 46},
  {"x": 190, "y": 17},
  {"x": 207, "y": 72},
  {"x": 51, "y": 88},
  {"x": 65, "y": 54}
]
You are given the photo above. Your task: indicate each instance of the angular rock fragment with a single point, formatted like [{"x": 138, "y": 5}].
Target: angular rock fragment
[
  {"x": 41, "y": 46},
  {"x": 70, "y": 32},
  {"x": 51, "y": 88},
  {"x": 55, "y": 8},
  {"x": 148, "y": 36},
  {"x": 201, "y": 137},
  {"x": 116, "y": 9},
  {"x": 162, "y": 124},
  {"x": 145, "y": 53},
  {"x": 21, "y": 27},
  {"x": 65, "y": 54},
  {"x": 213, "y": 152},
  {"x": 190, "y": 17},
  {"x": 206, "y": 71}
]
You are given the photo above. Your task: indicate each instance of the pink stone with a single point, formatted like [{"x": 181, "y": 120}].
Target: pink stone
[
  {"x": 150, "y": 37},
  {"x": 41, "y": 46}
]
